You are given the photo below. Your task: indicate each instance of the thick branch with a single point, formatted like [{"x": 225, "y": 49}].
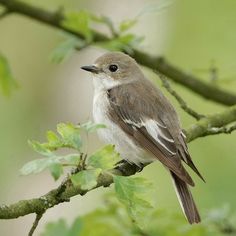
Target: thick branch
[
  {"x": 205, "y": 126},
  {"x": 222, "y": 130},
  {"x": 198, "y": 86},
  {"x": 54, "y": 19},
  {"x": 191, "y": 82},
  {"x": 57, "y": 196},
  {"x": 65, "y": 191}
]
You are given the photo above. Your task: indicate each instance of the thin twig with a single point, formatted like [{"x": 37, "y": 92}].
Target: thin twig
[
  {"x": 225, "y": 130},
  {"x": 180, "y": 100},
  {"x": 36, "y": 222}
]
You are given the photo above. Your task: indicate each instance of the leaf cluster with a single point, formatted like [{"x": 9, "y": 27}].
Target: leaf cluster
[
  {"x": 83, "y": 22},
  {"x": 68, "y": 136},
  {"x": 132, "y": 192},
  {"x": 115, "y": 220}
]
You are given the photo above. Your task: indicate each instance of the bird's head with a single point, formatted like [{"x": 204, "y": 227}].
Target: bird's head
[{"x": 114, "y": 68}]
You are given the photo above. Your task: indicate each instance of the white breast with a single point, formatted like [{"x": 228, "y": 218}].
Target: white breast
[
  {"x": 100, "y": 113},
  {"x": 113, "y": 133}
]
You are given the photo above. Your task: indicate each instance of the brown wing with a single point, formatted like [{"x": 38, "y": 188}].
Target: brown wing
[
  {"x": 154, "y": 127},
  {"x": 185, "y": 156}
]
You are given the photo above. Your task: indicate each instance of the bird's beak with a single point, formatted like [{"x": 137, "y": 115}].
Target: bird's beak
[{"x": 91, "y": 68}]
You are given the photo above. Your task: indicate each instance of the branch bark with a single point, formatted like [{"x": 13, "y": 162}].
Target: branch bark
[
  {"x": 65, "y": 191},
  {"x": 57, "y": 196},
  {"x": 217, "y": 120},
  {"x": 35, "y": 224},
  {"x": 191, "y": 82}
]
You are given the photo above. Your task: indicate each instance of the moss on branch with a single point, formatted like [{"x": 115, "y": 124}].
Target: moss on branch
[{"x": 217, "y": 120}]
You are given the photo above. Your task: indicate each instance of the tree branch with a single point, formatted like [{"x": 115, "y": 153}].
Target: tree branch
[
  {"x": 57, "y": 196},
  {"x": 66, "y": 190},
  {"x": 35, "y": 224},
  {"x": 182, "y": 103},
  {"x": 191, "y": 82},
  {"x": 53, "y": 19},
  {"x": 214, "y": 121},
  {"x": 221, "y": 130}
]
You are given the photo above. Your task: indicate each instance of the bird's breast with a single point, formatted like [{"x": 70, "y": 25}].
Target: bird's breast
[
  {"x": 113, "y": 133},
  {"x": 100, "y": 107},
  {"x": 100, "y": 115}
]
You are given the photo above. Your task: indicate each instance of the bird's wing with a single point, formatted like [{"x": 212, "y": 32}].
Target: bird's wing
[
  {"x": 185, "y": 156},
  {"x": 149, "y": 126}
]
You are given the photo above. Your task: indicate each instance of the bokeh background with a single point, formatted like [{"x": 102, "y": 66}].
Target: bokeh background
[{"x": 193, "y": 35}]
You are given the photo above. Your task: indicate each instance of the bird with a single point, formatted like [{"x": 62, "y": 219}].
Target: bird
[{"x": 141, "y": 122}]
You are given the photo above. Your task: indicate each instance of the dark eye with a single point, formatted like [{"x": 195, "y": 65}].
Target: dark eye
[{"x": 113, "y": 68}]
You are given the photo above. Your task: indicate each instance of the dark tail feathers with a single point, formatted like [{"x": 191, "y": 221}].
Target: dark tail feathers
[{"x": 186, "y": 200}]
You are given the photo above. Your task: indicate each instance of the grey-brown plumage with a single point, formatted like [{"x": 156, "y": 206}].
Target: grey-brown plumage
[{"x": 141, "y": 122}]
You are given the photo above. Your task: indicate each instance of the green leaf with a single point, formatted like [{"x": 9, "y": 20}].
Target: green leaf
[
  {"x": 86, "y": 179},
  {"x": 78, "y": 21},
  {"x": 72, "y": 159},
  {"x": 53, "y": 163},
  {"x": 105, "y": 21},
  {"x": 56, "y": 170},
  {"x": 104, "y": 223},
  {"x": 70, "y": 135},
  {"x": 127, "y": 39},
  {"x": 101, "y": 19},
  {"x": 76, "y": 227},
  {"x": 124, "y": 42},
  {"x": 54, "y": 141},
  {"x": 41, "y": 148},
  {"x": 132, "y": 192},
  {"x": 113, "y": 45},
  {"x": 96, "y": 223},
  {"x": 92, "y": 127},
  {"x": 65, "y": 49},
  {"x": 58, "y": 228},
  {"x": 105, "y": 158},
  {"x": 127, "y": 24},
  {"x": 39, "y": 165},
  {"x": 7, "y": 81}
]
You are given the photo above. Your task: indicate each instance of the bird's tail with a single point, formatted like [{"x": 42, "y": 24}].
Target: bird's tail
[{"x": 186, "y": 200}]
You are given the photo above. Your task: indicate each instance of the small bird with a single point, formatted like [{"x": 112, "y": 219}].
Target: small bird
[{"x": 141, "y": 122}]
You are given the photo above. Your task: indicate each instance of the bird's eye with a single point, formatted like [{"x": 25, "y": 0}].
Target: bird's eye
[{"x": 113, "y": 68}]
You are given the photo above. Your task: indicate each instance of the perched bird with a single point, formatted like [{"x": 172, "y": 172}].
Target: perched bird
[{"x": 141, "y": 122}]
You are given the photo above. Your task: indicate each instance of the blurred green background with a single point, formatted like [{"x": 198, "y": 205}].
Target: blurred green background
[{"x": 193, "y": 35}]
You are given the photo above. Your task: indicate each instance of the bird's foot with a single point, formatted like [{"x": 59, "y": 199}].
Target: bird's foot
[
  {"x": 139, "y": 167},
  {"x": 122, "y": 167}
]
